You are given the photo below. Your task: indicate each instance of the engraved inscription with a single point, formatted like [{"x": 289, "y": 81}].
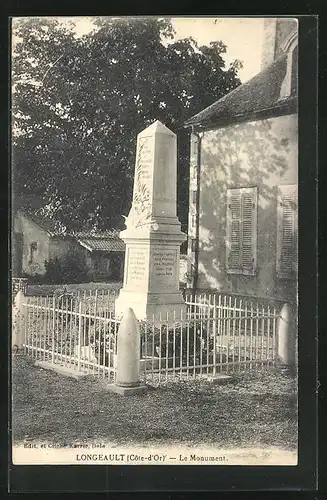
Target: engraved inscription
[
  {"x": 164, "y": 267},
  {"x": 145, "y": 159},
  {"x": 137, "y": 266}
]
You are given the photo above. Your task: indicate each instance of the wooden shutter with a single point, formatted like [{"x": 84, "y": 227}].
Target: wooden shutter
[
  {"x": 286, "y": 264},
  {"x": 249, "y": 230},
  {"x": 241, "y": 238},
  {"x": 234, "y": 237}
]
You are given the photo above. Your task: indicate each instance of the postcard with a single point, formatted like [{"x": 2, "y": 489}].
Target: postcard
[{"x": 154, "y": 241}]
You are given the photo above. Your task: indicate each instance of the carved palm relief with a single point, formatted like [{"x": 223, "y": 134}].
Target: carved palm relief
[{"x": 141, "y": 209}]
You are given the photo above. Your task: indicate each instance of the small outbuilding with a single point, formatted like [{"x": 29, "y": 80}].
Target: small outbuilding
[
  {"x": 38, "y": 240},
  {"x": 104, "y": 254}
]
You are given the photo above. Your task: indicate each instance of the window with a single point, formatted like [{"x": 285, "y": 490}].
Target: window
[
  {"x": 193, "y": 245},
  {"x": 194, "y": 196},
  {"x": 241, "y": 229},
  {"x": 193, "y": 220},
  {"x": 33, "y": 251},
  {"x": 286, "y": 264}
]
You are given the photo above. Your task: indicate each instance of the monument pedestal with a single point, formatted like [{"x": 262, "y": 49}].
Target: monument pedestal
[
  {"x": 153, "y": 235},
  {"x": 151, "y": 306},
  {"x": 151, "y": 279}
]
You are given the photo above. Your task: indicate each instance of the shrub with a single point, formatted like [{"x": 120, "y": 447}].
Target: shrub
[
  {"x": 68, "y": 269},
  {"x": 184, "y": 344},
  {"x": 102, "y": 340},
  {"x": 34, "y": 279}
]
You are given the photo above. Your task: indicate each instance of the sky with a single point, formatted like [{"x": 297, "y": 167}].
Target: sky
[{"x": 242, "y": 36}]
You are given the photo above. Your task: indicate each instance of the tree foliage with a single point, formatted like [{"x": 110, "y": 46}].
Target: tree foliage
[{"x": 79, "y": 103}]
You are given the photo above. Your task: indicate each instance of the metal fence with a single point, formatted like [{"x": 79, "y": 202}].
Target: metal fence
[
  {"x": 77, "y": 331},
  {"x": 218, "y": 334}
]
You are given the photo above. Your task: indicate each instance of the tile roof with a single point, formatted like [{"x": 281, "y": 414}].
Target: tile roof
[
  {"x": 257, "y": 98},
  {"x": 103, "y": 244},
  {"x": 106, "y": 241},
  {"x": 92, "y": 233}
]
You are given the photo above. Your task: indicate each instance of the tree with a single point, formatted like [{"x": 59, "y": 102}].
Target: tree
[{"x": 79, "y": 103}]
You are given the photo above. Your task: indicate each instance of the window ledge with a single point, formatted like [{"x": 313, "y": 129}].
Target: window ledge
[
  {"x": 241, "y": 272},
  {"x": 286, "y": 276}
]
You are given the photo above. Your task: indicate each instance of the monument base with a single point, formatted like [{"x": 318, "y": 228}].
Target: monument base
[
  {"x": 127, "y": 391},
  {"x": 158, "y": 307}
]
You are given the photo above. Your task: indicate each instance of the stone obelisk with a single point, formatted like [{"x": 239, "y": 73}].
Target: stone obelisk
[{"x": 153, "y": 233}]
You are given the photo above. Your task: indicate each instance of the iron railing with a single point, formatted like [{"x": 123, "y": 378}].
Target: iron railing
[
  {"x": 217, "y": 334},
  {"x": 77, "y": 331}
]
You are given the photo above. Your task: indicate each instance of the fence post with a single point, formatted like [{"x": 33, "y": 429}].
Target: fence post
[
  {"x": 18, "y": 321},
  {"x": 286, "y": 338},
  {"x": 128, "y": 357},
  {"x": 53, "y": 328},
  {"x": 214, "y": 324},
  {"x": 79, "y": 344}
]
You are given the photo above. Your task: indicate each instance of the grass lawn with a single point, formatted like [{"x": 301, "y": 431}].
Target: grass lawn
[{"x": 258, "y": 410}]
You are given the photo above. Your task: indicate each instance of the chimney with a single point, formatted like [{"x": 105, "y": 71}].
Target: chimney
[{"x": 269, "y": 42}]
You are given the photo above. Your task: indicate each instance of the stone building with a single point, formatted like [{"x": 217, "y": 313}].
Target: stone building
[
  {"x": 242, "y": 235},
  {"x": 38, "y": 240}
]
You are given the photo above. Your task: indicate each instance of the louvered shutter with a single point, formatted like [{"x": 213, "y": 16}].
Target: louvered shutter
[
  {"x": 234, "y": 230},
  {"x": 241, "y": 230},
  {"x": 286, "y": 264},
  {"x": 249, "y": 228}
]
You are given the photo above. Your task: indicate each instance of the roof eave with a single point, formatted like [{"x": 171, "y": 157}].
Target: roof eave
[
  {"x": 273, "y": 74},
  {"x": 90, "y": 249}
]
